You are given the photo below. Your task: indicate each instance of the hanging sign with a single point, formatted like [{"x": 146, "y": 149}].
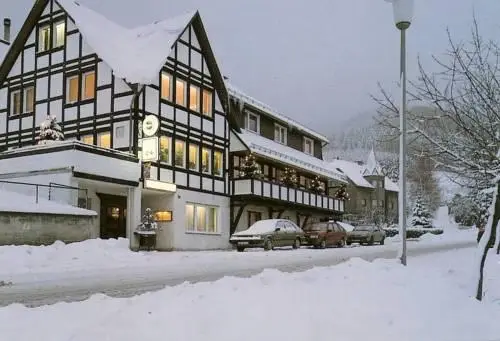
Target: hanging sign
[{"x": 150, "y": 125}]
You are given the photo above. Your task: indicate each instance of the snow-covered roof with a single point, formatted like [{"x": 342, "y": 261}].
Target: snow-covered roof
[
  {"x": 136, "y": 55},
  {"x": 240, "y": 95},
  {"x": 274, "y": 150},
  {"x": 16, "y": 202},
  {"x": 372, "y": 165}
]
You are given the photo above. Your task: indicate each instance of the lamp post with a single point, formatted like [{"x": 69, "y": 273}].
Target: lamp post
[{"x": 403, "y": 13}]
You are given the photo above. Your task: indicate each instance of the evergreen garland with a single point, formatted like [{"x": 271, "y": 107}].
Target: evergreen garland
[
  {"x": 317, "y": 186},
  {"x": 249, "y": 168},
  {"x": 342, "y": 194},
  {"x": 289, "y": 177}
]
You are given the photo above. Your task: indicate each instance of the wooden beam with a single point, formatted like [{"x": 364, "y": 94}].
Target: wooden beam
[{"x": 234, "y": 223}]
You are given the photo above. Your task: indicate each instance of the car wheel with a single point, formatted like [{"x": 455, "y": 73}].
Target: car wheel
[
  {"x": 382, "y": 241},
  {"x": 268, "y": 245},
  {"x": 342, "y": 243},
  {"x": 240, "y": 248},
  {"x": 296, "y": 243},
  {"x": 370, "y": 242},
  {"x": 323, "y": 244}
]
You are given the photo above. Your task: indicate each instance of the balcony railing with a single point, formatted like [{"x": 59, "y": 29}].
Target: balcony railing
[{"x": 267, "y": 189}]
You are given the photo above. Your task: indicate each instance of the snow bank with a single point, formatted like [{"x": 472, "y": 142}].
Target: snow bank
[
  {"x": 356, "y": 300},
  {"x": 16, "y": 202}
]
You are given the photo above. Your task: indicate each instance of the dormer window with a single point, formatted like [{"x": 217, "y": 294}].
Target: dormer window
[
  {"x": 308, "y": 146},
  {"x": 280, "y": 134},
  {"x": 253, "y": 122}
]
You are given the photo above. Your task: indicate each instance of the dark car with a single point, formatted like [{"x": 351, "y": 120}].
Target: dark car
[
  {"x": 268, "y": 233},
  {"x": 324, "y": 234},
  {"x": 366, "y": 234}
]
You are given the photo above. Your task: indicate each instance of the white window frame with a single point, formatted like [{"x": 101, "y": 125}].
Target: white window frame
[
  {"x": 12, "y": 103},
  {"x": 221, "y": 164},
  {"x": 82, "y": 90},
  {"x": 68, "y": 85},
  {"x": 311, "y": 141},
  {"x": 54, "y": 33},
  {"x": 194, "y": 229},
  {"x": 197, "y": 158},
  {"x": 282, "y": 138},
  {"x": 83, "y": 137},
  {"x": 248, "y": 121},
  {"x": 183, "y": 154},
  {"x": 197, "y": 90},
  {"x": 209, "y": 168},
  {"x": 99, "y": 135},
  {"x": 41, "y": 46},
  {"x": 209, "y": 111},
  {"x": 169, "y": 159},
  {"x": 170, "y": 83},
  {"x": 184, "y": 95},
  {"x": 23, "y": 104}
]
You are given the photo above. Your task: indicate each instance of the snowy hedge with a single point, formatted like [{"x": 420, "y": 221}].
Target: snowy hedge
[{"x": 411, "y": 232}]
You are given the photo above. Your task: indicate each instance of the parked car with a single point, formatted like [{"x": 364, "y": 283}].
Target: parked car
[
  {"x": 268, "y": 233},
  {"x": 366, "y": 234},
  {"x": 324, "y": 234}
]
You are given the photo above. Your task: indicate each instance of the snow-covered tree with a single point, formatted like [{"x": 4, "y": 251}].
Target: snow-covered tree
[
  {"x": 50, "y": 131},
  {"x": 250, "y": 168},
  {"x": 460, "y": 129},
  {"x": 421, "y": 217}
]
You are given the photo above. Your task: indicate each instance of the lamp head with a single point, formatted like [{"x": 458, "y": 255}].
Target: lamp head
[{"x": 403, "y": 12}]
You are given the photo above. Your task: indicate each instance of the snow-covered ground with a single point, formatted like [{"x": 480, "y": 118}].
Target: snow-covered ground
[{"x": 356, "y": 300}]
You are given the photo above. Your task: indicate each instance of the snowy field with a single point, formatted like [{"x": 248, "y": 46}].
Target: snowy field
[{"x": 356, "y": 300}]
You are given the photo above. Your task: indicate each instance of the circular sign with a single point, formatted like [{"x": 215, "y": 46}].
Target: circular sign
[{"x": 150, "y": 125}]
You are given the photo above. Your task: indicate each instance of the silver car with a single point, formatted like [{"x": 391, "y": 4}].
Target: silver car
[{"x": 366, "y": 234}]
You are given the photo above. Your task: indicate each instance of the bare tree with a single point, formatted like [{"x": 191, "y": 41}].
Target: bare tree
[{"x": 460, "y": 126}]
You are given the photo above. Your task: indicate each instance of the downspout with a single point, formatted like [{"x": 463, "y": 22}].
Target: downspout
[{"x": 137, "y": 91}]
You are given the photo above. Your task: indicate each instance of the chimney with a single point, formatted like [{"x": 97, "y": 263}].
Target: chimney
[{"x": 6, "y": 30}]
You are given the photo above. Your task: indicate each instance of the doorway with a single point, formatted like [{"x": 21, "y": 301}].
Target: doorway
[{"x": 113, "y": 216}]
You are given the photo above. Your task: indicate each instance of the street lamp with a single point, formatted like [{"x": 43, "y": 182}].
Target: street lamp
[{"x": 403, "y": 13}]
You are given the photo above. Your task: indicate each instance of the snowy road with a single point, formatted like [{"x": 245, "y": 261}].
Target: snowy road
[{"x": 47, "y": 288}]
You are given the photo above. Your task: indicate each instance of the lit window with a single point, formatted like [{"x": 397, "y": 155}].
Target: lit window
[
  {"x": 73, "y": 89},
  {"x": 16, "y": 103},
  {"x": 29, "y": 99},
  {"x": 308, "y": 146},
  {"x": 44, "y": 38},
  {"x": 194, "y": 98},
  {"x": 104, "y": 140},
  {"x": 60, "y": 30},
  {"x": 180, "y": 150},
  {"x": 207, "y": 103},
  {"x": 180, "y": 92},
  {"x": 279, "y": 134},
  {"x": 88, "y": 139},
  {"x": 163, "y": 216},
  {"x": 166, "y": 87},
  {"x": 88, "y": 85},
  {"x": 205, "y": 160},
  {"x": 201, "y": 218},
  {"x": 193, "y": 157},
  {"x": 165, "y": 149},
  {"x": 253, "y": 122},
  {"x": 218, "y": 160}
]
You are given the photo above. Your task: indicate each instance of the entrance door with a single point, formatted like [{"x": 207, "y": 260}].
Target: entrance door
[{"x": 113, "y": 216}]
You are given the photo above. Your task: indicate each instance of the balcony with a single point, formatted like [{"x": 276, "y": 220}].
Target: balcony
[{"x": 273, "y": 191}]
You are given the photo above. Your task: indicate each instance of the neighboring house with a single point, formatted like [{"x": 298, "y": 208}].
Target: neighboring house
[
  {"x": 278, "y": 144},
  {"x": 373, "y": 196}
]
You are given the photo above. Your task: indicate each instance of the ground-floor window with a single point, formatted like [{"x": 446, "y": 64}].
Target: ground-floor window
[
  {"x": 201, "y": 218},
  {"x": 253, "y": 217}
]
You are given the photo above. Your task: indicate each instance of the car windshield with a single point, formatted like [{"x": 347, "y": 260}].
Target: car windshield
[
  {"x": 363, "y": 228},
  {"x": 262, "y": 226},
  {"x": 315, "y": 227}
]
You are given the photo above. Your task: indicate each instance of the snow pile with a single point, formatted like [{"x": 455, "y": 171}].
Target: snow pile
[
  {"x": 427, "y": 300},
  {"x": 15, "y": 202}
]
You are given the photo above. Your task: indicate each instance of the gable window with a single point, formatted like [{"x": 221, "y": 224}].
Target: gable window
[
  {"x": 308, "y": 146},
  {"x": 180, "y": 92},
  {"x": 44, "y": 38},
  {"x": 165, "y": 142},
  {"x": 15, "y": 102},
  {"x": 180, "y": 151},
  {"x": 104, "y": 140},
  {"x": 29, "y": 99},
  {"x": 60, "y": 30},
  {"x": 193, "y": 157},
  {"x": 72, "y": 89},
  {"x": 166, "y": 86},
  {"x": 194, "y": 98},
  {"x": 88, "y": 90},
  {"x": 88, "y": 139},
  {"x": 279, "y": 134},
  {"x": 18, "y": 106},
  {"x": 218, "y": 161},
  {"x": 253, "y": 122},
  {"x": 201, "y": 218},
  {"x": 205, "y": 160},
  {"x": 207, "y": 103}
]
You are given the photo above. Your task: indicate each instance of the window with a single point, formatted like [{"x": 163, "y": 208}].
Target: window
[
  {"x": 201, "y": 218},
  {"x": 44, "y": 38},
  {"x": 180, "y": 92},
  {"x": 166, "y": 86},
  {"x": 104, "y": 140},
  {"x": 193, "y": 157},
  {"x": 88, "y": 85},
  {"x": 165, "y": 142},
  {"x": 194, "y": 98},
  {"x": 89, "y": 139},
  {"x": 374, "y": 203},
  {"x": 218, "y": 163},
  {"x": 60, "y": 30},
  {"x": 363, "y": 202},
  {"x": 391, "y": 205},
  {"x": 381, "y": 203},
  {"x": 29, "y": 99},
  {"x": 180, "y": 150},
  {"x": 253, "y": 122},
  {"x": 15, "y": 102},
  {"x": 207, "y": 103},
  {"x": 205, "y": 160},
  {"x": 279, "y": 134},
  {"x": 308, "y": 146},
  {"x": 253, "y": 217},
  {"x": 72, "y": 89}
]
